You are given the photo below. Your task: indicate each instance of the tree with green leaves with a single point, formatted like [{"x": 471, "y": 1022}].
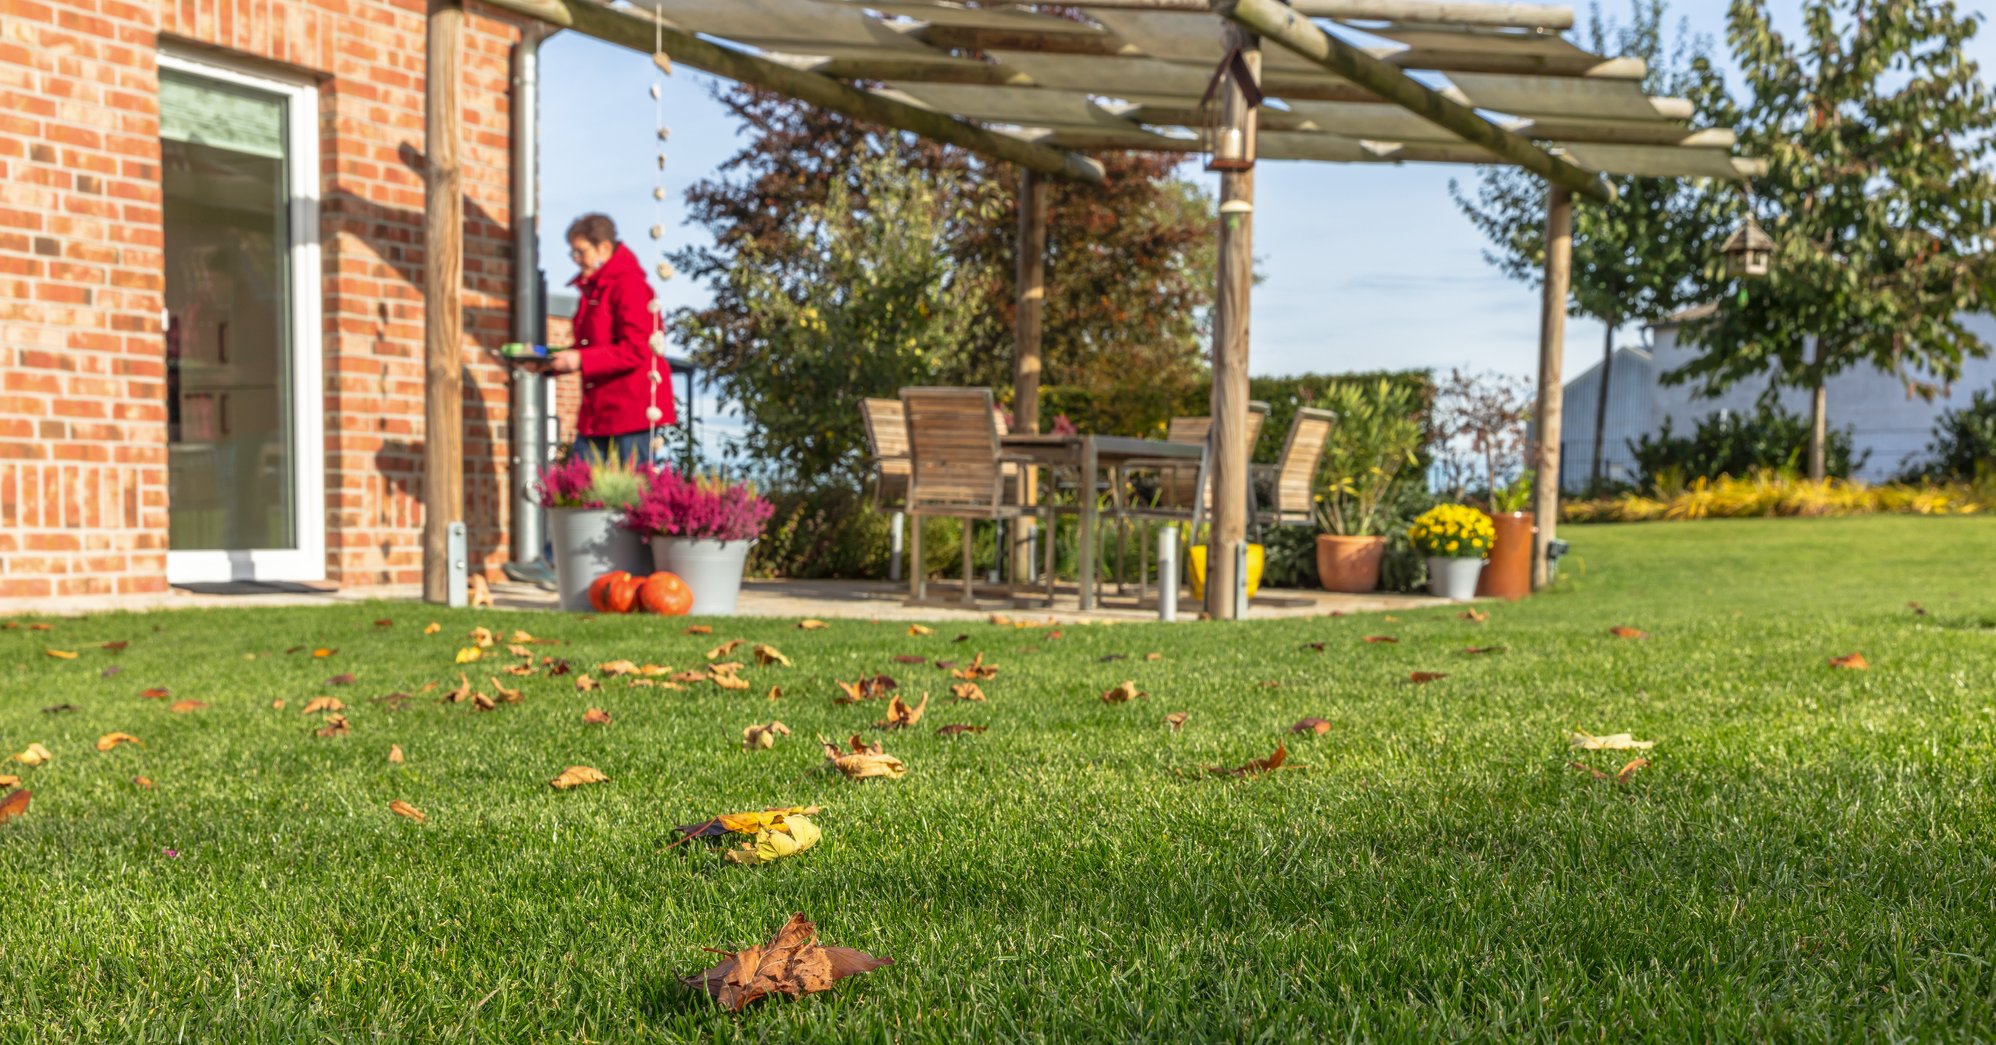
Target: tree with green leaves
[
  {"x": 1877, "y": 130},
  {"x": 1634, "y": 261}
]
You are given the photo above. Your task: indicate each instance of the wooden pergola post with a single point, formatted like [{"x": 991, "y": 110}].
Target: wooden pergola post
[
  {"x": 1229, "y": 448},
  {"x": 1026, "y": 353},
  {"x": 1552, "y": 349},
  {"x": 443, "y": 305}
]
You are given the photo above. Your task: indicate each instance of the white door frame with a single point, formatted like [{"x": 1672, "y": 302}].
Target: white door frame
[{"x": 307, "y": 560}]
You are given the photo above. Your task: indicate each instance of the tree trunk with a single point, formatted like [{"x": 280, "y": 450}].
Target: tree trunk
[
  {"x": 1601, "y": 405},
  {"x": 1819, "y": 422}
]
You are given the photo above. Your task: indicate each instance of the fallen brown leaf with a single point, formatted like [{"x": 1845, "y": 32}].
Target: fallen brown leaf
[
  {"x": 506, "y": 693},
  {"x": 767, "y": 655},
  {"x": 1852, "y": 661},
  {"x": 864, "y": 760},
  {"x": 432, "y": 628},
  {"x": 1153, "y": 656},
  {"x": 977, "y": 670},
  {"x": 342, "y": 679},
  {"x": 336, "y": 726},
  {"x": 1474, "y": 616},
  {"x": 1378, "y": 639},
  {"x": 584, "y": 683},
  {"x": 61, "y": 654},
  {"x": 318, "y": 704},
  {"x": 953, "y": 730},
  {"x": 111, "y": 740},
  {"x": 864, "y": 689},
  {"x": 596, "y": 717},
  {"x": 60, "y": 709},
  {"x": 483, "y": 638},
  {"x": 384, "y": 623},
  {"x": 182, "y": 707},
  {"x": 576, "y": 776},
  {"x": 900, "y": 715},
  {"x": 1419, "y": 677},
  {"x": 1611, "y": 742},
  {"x": 322, "y": 652},
  {"x": 910, "y": 658},
  {"x": 1484, "y": 649},
  {"x": 761, "y": 736},
  {"x": 518, "y": 650},
  {"x": 404, "y": 809},
  {"x": 1122, "y": 693},
  {"x": 395, "y": 753},
  {"x": 14, "y": 804},
  {"x": 966, "y": 691},
  {"x": 156, "y": 693},
  {"x": 1316, "y": 647},
  {"x": 1254, "y": 767},
  {"x": 617, "y": 667},
  {"x": 481, "y": 702},
  {"x": 1317, "y": 726},
  {"x": 700, "y": 629},
  {"x": 1622, "y": 776},
  {"x": 1623, "y": 631},
  {"x": 920, "y": 629},
  {"x": 1176, "y": 720},
  {"x": 728, "y": 680},
  {"x": 1918, "y": 610},
  {"x": 811, "y": 624},
  {"x": 278, "y": 704},
  {"x": 9, "y": 780},
  {"x": 462, "y": 693},
  {"x": 791, "y": 963},
  {"x": 143, "y": 783},
  {"x": 724, "y": 649}
]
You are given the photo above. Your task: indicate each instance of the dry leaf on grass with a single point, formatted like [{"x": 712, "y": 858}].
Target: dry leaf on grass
[
  {"x": 345, "y": 678},
  {"x": 384, "y": 623},
  {"x": 811, "y": 624},
  {"x": 518, "y": 650},
  {"x": 1611, "y": 742},
  {"x": 1918, "y": 610},
  {"x": 182, "y": 707},
  {"x": 1122, "y": 692},
  {"x": 742, "y": 823},
  {"x": 724, "y": 649},
  {"x": 469, "y": 654},
  {"x": 596, "y": 717},
  {"x": 617, "y": 667},
  {"x": 978, "y": 670},
  {"x": 910, "y": 658},
  {"x": 900, "y": 715},
  {"x": 1621, "y": 776},
  {"x": 318, "y": 704},
  {"x": 1254, "y": 767},
  {"x": 1473, "y": 650},
  {"x": 576, "y": 776},
  {"x": 60, "y": 709},
  {"x": 336, "y": 726},
  {"x": 920, "y": 629},
  {"x": 507, "y": 694},
  {"x": 1374, "y": 640},
  {"x": 322, "y": 652},
  {"x": 953, "y": 730},
  {"x": 1153, "y": 656},
  {"x": 863, "y": 761},
  {"x": 395, "y": 753},
  {"x": 14, "y": 804},
  {"x": 1315, "y": 647},
  {"x": 966, "y": 691},
  {"x": 1316, "y": 726},
  {"x": 111, "y": 740},
  {"x": 483, "y": 638},
  {"x": 156, "y": 693},
  {"x": 1623, "y": 631},
  {"x": 61, "y": 654},
  {"x": 761, "y": 737},
  {"x": 791, "y": 963},
  {"x": 727, "y": 680},
  {"x": 1474, "y": 616},
  {"x": 9, "y": 780},
  {"x": 462, "y": 693},
  {"x": 584, "y": 683},
  {"x": 865, "y": 689},
  {"x": 1851, "y": 661},
  {"x": 278, "y": 704},
  {"x": 1420, "y": 677},
  {"x": 432, "y": 628},
  {"x": 785, "y": 835},
  {"x": 767, "y": 655},
  {"x": 143, "y": 783},
  {"x": 1176, "y": 720},
  {"x": 404, "y": 809},
  {"x": 481, "y": 702},
  {"x": 700, "y": 629}
]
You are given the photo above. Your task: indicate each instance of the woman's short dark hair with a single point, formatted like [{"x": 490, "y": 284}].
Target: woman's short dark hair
[{"x": 593, "y": 228}]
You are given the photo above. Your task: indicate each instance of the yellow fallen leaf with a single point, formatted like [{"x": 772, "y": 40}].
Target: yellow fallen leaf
[
  {"x": 920, "y": 629},
  {"x": 900, "y": 715},
  {"x": 483, "y": 638},
  {"x": 1612, "y": 742},
  {"x": 469, "y": 654},
  {"x": 767, "y": 655},
  {"x": 432, "y": 628},
  {"x": 404, "y": 809},
  {"x": 1153, "y": 656},
  {"x": 576, "y": 776},
  {"x": 864, "y": 761},
  {"x": 322, "y": 652},
  {"x": 966, "y": 691},
  {"x": 111, "y": 740},
  {"x": 318, "y": 704},
  {"x": 788, "y": 837},
  {"x": 61, "y": 654},
  {"x": 617, "y": 667},
  {"x": 728, "y": 680},
  {"x": 9, "y": 780},
  {"x": 35, "y": 755},
  {"x": 724, "y": 649},
  {"x": 811, "y": 624}
]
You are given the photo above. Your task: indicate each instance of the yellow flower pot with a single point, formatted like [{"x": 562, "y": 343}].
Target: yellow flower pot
[{"x": 1256, "y": 558}]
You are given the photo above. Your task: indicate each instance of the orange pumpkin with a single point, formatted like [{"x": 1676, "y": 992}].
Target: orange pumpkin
[
  {"x": 665, "y": 594},
  {"x": 604, "y": 592}
]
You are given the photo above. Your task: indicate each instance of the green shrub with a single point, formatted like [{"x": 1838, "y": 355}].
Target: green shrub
[
  {"x": 1964, "y": 444},
  {"x": 1769, "y": 439}
]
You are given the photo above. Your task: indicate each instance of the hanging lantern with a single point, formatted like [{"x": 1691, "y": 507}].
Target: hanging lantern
[
  {"x": 1749, "y": 250},
  {"x": 1226, "y": 115}
]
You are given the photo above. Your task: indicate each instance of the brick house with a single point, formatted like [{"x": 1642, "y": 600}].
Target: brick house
[{"x": 211, "y": 304}]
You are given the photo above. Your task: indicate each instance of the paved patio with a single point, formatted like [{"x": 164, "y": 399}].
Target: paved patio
[{"x": 866, "y": 600}]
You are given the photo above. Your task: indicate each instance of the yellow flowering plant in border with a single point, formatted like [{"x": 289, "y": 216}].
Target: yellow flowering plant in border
[{"x": 1453, "y": 531}]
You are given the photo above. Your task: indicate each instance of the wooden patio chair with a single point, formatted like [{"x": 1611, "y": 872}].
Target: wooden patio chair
[
  {"x": 958, "y": 470},
  {"x": 887, "y": 446},
  {"x": 1292, "y": 479}
]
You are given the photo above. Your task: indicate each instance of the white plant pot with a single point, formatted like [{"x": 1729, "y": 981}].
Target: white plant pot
[
  {"x": 711, "y": 569},
  {"x": 1453, "y": 578},
  {"x": 588, "y": 543}
]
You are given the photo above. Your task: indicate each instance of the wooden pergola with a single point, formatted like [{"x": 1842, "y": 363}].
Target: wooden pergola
[{"x": 1350, "y": 81}]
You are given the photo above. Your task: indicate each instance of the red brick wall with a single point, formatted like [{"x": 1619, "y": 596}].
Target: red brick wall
[{"x": 83, "y": 498}]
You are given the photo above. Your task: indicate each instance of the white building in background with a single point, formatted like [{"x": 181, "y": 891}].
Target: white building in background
[{"x": 1894, "y": 425}]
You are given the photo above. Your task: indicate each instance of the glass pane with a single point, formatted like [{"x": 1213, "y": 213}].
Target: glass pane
[{"x": 228, "y": 288}]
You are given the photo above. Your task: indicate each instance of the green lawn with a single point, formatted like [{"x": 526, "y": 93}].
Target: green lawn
[{"x": 1809, "y": 856}]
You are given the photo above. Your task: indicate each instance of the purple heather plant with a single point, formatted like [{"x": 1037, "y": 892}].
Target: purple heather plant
[
  {"x": 702, "y": 507},
  {"x": 566, "y": 483}
]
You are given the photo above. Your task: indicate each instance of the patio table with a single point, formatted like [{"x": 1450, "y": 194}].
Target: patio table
[{"x": 1087, "y": 455}]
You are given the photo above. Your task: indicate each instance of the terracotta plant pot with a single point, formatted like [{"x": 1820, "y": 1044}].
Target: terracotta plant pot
[
  {"x": 1349, "y": 564},
  {"x": 1509, "y": 575}
]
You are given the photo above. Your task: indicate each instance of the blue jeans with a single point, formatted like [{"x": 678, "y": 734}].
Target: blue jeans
[{"x": 633, "y": 449}]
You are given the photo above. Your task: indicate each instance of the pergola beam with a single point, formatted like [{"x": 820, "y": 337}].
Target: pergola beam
[
  {"x": 1285, "y": 26},
  {"x": 632, "y": 30},
  {"x": 1491, "y": 15}
]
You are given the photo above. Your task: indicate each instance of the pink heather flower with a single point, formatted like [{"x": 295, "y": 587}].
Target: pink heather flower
[
  {"x": 565, "y": 484},
  {"x": 1063, "y": 426},
  {"x": 709, "y": 508}
]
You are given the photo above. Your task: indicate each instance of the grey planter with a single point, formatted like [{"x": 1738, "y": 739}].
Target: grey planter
[
  {"x": 588, "y": 543},
  {"x": 711, "y": 569},
  {"x": 1453, "y": 578}
]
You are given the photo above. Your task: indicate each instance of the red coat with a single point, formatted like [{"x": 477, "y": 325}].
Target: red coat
[{"x": 613, "y": 326}]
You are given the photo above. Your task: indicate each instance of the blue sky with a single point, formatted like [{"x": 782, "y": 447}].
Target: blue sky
[{"x": 1367, "y": 266}]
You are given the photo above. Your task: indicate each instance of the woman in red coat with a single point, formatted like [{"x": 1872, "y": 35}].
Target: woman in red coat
[{"x": 613, "y": 329}]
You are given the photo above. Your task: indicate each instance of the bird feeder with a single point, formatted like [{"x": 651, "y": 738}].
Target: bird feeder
[
  {"x": 1749, "y": 251},
  {"x": 1226, "y": 115}
]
